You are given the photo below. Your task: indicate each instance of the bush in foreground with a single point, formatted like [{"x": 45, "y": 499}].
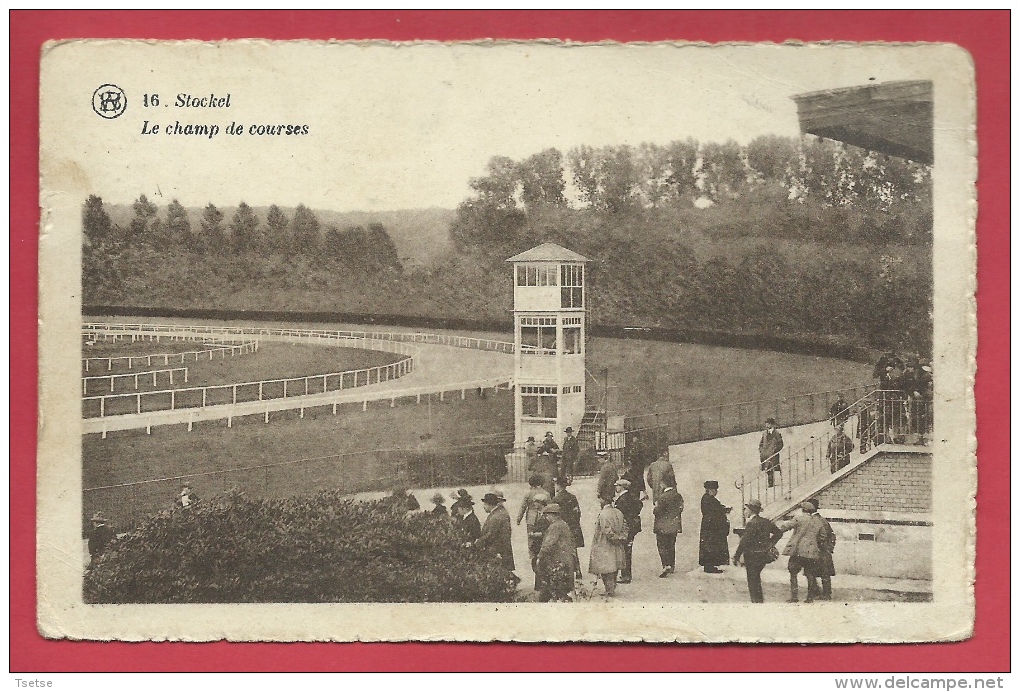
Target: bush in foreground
[{"x": 318, "y": 549}]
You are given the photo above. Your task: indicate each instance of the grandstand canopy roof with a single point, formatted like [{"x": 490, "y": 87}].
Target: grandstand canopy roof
[
  {"x": 894, "y": 118},
  {"x": 549, "y": 252}
]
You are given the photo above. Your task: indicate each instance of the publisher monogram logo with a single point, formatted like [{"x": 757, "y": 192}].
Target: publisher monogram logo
[{"x": 109, "y": 101}]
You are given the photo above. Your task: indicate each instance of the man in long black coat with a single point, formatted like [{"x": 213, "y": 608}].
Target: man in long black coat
[{"x": 713, "y": 550}]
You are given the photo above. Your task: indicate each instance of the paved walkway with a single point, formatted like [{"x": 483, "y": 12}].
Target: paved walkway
[
  {"x": 722, "y": 459},
  {"x": 438, "y": 369}
]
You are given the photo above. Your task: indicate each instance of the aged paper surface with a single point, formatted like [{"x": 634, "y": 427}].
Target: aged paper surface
[{"x": 377, "y": 126}]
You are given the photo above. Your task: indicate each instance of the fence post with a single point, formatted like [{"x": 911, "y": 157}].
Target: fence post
[
  {"x": 172, "y": 393},
  {"x": 139, "y": 403},
  {"x": 260, "y": 391},
  {"x": 203, "y": 396}
]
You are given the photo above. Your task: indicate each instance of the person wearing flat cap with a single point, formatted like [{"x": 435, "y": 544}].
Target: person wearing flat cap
[
  {"x": 100, "y": 534},
  {"x": 496, "y": 530},
  {"x": 713, "y": 550},
  {"x": 555, "y": 567},
  {"x": 756, "y": 548},
  {"x": 805, "y": 549},
  {"x": 826, "y": 567},
  {"x": 629, "y": 504},
  {"x": 607, "y": 556}
]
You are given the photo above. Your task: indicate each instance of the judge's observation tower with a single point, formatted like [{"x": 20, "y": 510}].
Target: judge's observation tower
[{"x": 549, "y": 335}]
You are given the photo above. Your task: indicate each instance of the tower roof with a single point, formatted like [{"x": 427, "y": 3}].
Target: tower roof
[{"x": 548, "y": 252}]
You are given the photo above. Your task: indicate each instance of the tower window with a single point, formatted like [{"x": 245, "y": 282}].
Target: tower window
[
  {"x": 572, "y": 283},
  {"x": 538, "y": 401},
  {"x": 538, "y": 336},
  {"x": 571, "y": 339},
  {"x": 536, "y": 276}
]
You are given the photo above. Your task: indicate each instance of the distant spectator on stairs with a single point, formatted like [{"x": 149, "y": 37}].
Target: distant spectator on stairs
[
  {"x": 840, "y": 447},
  {"x": 769, "y": 446},
  {"x": 839, "y": 412}
]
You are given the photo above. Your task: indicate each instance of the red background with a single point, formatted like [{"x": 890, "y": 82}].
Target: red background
[{"x": 985, "y": 34}]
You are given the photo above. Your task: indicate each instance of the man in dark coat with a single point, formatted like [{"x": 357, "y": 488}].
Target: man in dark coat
[
  {"x": 571, "y": 449},
  {"x": 496, "y": 530},
  {"x": 634, "y": 473},
  {"x": 629, "y": 504},
  {"x": 549, "y": 445},
  {"x": 608, "y": 475},
  {"x": 756, "y": 545},
  {"x": 715, "y": 527},
  {"x": 467, "y": 520},
  {"x": 570, "y": 512},
  {"x": 769, "y": 446},
  {"x": 668, "y": 512}
]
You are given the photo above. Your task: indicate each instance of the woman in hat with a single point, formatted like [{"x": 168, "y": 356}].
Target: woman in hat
[
  {"x": 756, "y": 546},
  {"x": 440, "y": 506},
  {"x": 461, "y": 496},
  {"x": 713, "y": 550},
  {"x": 608, "y": 555},
  {"x": 555, "y": 566},
  {"x": 629, "y": 504}
]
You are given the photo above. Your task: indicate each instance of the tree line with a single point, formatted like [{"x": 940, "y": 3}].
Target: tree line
[
  {"x": 355, "y": 248},
  {"x": 277, "y": 233},
  {"x": 807, "y": 188}
]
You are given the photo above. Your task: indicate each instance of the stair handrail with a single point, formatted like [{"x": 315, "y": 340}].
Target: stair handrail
[{"x": 807, "y": 462}]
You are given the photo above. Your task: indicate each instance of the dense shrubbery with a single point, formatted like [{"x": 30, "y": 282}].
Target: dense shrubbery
[{"x": 318, "y": 549}]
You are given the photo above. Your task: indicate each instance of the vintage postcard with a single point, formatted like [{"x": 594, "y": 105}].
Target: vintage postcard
[{"x": 506, "y": 341}]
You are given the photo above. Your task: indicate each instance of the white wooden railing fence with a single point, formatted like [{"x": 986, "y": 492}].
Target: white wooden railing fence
[
  {"x": 407, "y": 337},
  {"x": 113, "y": 379},
  {"x": 184, "y": 356}
]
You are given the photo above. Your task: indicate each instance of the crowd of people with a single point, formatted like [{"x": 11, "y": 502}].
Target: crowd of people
[{"x": 551, "y": 515}]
